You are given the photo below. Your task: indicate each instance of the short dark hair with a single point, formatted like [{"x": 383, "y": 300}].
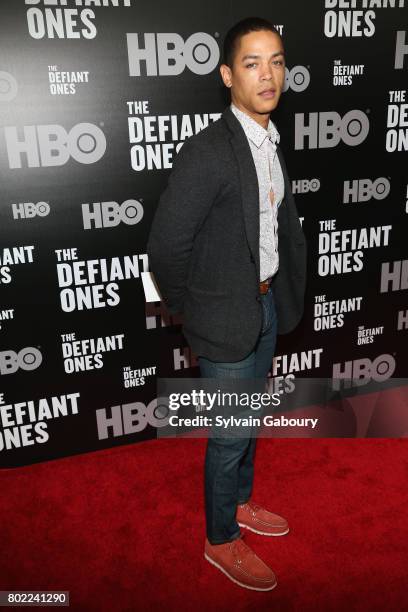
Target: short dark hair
[{"x": 234, "y": 34}]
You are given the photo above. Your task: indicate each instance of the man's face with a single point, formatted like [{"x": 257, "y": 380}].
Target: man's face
[{"x": 259, "y": 65}]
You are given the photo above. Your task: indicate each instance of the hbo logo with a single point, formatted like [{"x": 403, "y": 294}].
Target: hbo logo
[
  {"x": 328, "y": 129},
  {"x": 110, "y": 214},
  {"x": 8, "y": 86},
  {"x": 364, "y": 189},
  {"x": 401, "y": 49},
  {"x": 27, "y": 210},
  {"x": 168, "y": 54},
  {"x": 304, "y": 186},
  {"x": 52, "y": 145},
  {"x": 362, "y": 371},
  {"x": 28, "y": 358},
  {"x": 297, "y": 79},
  {"x": 132, "y": 418}
]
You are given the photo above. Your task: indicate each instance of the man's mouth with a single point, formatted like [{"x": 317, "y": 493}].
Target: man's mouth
[{"x": 267, "y": 93}]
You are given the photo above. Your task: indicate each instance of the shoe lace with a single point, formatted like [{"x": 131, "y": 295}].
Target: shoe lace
[
  {"x": 252, "y": 506},
  {"x": 240, "y": 549}
]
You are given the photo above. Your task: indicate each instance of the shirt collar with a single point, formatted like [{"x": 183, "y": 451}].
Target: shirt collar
[{"x": 253, "y": 130}]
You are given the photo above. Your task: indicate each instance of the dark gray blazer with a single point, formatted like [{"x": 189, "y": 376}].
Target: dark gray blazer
[{"x": 203, "y": 245}]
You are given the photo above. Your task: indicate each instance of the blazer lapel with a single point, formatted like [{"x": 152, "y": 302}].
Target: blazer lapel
[{"x": 248, "y": 182}]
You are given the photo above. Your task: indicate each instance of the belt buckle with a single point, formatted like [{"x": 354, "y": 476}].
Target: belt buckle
[{"x": 263, "y": 287}]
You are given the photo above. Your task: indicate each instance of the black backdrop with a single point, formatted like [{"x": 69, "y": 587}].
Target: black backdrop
[{"x": 72, "y": 88}]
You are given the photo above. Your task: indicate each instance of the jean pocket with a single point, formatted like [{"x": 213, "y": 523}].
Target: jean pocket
[
  {"x": 269, "y": 312},
  {"x": 265, "y": 315}
]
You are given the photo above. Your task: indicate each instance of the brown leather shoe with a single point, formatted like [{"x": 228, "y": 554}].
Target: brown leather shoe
[
  {"x": 257, "y": 519},
  {"x": 239, "y": 562}
]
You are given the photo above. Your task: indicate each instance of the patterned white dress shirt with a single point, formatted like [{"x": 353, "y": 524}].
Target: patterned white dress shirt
[{"x": 271, "y": 187}]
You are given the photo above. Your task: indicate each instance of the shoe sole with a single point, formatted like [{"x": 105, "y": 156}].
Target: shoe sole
[
  {"x": 246, "y": 586},
  {"x": 264, "y": 532}
]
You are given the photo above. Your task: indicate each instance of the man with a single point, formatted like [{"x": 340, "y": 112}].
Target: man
[{"x": 227, "y": 250}]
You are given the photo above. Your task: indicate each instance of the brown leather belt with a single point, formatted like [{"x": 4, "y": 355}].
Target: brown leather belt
[{"x": 264, "y": 286}]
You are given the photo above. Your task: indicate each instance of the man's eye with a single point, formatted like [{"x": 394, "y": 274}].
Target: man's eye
[
  {"x": 249, "y": 65},
  {"x": 278, "y": 62}
]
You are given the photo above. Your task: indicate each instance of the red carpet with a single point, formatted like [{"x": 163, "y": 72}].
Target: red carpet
[{"x": 124, "y": 529}]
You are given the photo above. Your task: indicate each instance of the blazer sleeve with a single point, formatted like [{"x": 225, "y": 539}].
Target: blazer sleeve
[{"x": 182, "y": 208}]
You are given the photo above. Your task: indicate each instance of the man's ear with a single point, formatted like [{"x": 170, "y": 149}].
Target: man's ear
[{"x": 226, "y": 75}]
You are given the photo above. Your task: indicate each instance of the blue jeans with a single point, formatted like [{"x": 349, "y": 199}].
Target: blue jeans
[{"x": 229, "y": 462}]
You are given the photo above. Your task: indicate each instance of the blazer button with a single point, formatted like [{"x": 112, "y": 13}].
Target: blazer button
[{"x": 258, "y": 299}]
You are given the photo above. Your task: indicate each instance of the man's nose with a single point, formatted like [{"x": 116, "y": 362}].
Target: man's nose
[{"x": 266, "y": 72}]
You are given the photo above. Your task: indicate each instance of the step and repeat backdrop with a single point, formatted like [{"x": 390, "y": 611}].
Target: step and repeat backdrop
[{"x": 96, "y": 99}]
